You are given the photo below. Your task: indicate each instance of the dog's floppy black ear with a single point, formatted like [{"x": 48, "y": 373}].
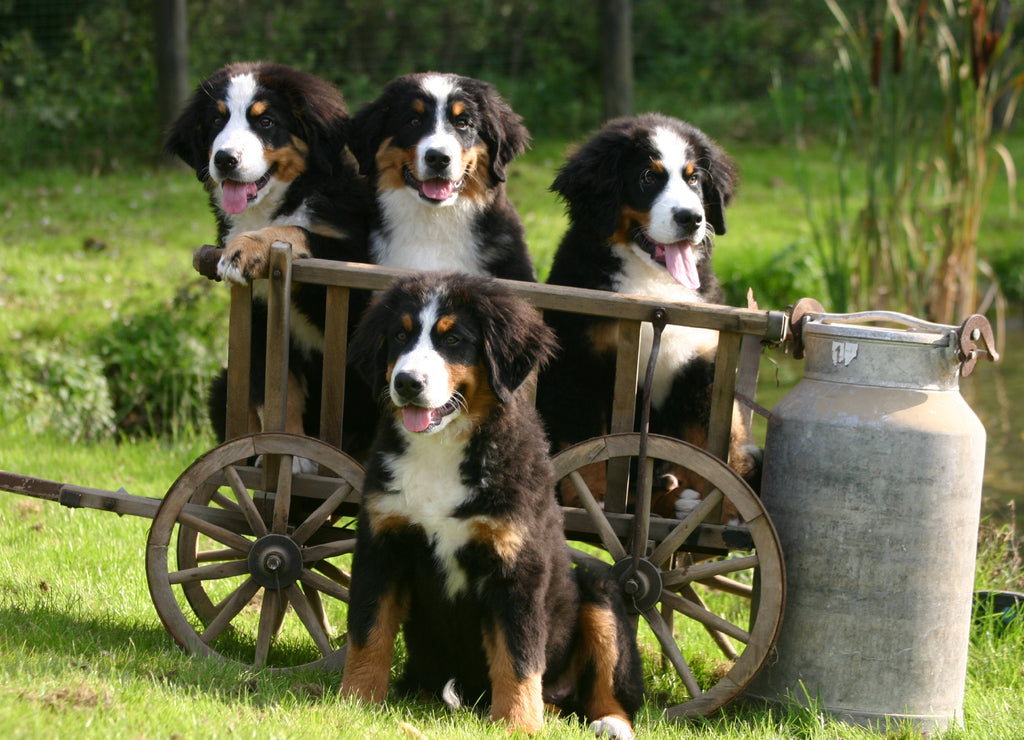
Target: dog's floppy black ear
[
  {"x": 516, "y": 340},
  {"x": 502, "y": 130},
  {"x": 368, "y": 348},
  {"x": 188, "y": 137},
  {"x": 718, "y": 188},
  {"x": 324, "y": 120},
  {"x": 366, "y": 132},
  {"x": 590, "y": 181}
]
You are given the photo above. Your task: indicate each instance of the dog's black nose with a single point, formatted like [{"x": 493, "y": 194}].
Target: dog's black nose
[
  {"x": 225, "y": 160},
  {"x": 407, "y": 385},
  {"x": 687, "y": 218},
  {"x": 436, "y": 159}
]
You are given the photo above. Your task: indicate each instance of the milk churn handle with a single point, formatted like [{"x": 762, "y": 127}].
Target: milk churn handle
[{"x": 974, "y": 328}]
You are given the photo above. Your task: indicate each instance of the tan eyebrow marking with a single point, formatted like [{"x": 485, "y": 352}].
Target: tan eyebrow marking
[{"x": 445, "y": 323}]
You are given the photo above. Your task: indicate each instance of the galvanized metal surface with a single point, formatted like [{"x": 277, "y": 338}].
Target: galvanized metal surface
[{"x": 873, "y": 479}]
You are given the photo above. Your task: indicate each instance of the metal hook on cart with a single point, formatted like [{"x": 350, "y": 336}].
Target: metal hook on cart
[{"x": 643, "y": 500}]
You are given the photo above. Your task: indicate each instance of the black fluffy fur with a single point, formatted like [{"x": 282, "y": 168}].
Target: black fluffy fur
[
  {"x": 599, "y": 184},
  {"x": 496, "y": 239},
  {"x": 328, "y": 200},
  {"x": 535, "y": 598}
]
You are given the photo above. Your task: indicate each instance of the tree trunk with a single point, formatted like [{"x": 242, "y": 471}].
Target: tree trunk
[
  {"x": 617, "y": 57},
  {"x": 171, "y": 58}
]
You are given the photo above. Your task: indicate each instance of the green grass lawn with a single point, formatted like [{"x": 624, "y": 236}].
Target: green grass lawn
[{"x": 82, "y": 651}]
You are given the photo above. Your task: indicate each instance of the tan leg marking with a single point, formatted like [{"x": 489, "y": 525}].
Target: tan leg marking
[
  {"x": 517, "y": 701},
  {"x": 600, "y": 648},
  {"x": 368, "y": 667}
]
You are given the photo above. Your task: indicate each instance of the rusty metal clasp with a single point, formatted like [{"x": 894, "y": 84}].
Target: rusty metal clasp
[{"x": 974, "y": 328}]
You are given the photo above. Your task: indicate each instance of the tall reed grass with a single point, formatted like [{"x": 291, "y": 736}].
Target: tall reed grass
[{"x": 924, "y": 91}]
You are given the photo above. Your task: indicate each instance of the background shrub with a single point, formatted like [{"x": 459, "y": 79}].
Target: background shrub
[{"x": 160, "y": 358}]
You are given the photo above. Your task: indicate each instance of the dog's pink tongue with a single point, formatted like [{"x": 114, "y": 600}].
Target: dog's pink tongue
[
  {"x": 235, "y": 195},
  {"x": 437, "y": 189},
  {"x": 416, "y": 418},
  {"x": 682, "y": 265}
]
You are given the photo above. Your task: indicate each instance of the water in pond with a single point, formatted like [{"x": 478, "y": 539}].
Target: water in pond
[{"x": 996, "y": 393}]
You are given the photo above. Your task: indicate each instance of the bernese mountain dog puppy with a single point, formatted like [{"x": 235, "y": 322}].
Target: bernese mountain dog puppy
[
  {"x": 436, "y": 148},
  {"x": 460, "y": 543},
  {"x": 644, "y": 197},
  {"x": 268, "y": 143}
]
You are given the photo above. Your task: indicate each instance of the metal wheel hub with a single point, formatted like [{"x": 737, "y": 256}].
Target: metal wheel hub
[
  {"x": 275, "y": 561},
  {"x": 641, "y": 585}
]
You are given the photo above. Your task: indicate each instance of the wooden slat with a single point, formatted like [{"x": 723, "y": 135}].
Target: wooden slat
[
  {"x": 332, "y": 408},
  {"x": 278, "y": 320},
  {"x": 239, "y": 343},
  {"x": 723, "y": 394},
  {"x": 623, "y": 410},
  {"x": 768, "y": 324}
]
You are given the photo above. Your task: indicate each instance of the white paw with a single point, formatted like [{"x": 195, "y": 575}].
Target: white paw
[
  {"x": 754, "y": 452},
  {"x": 230, "y": 272},
  {"x": 300, "y": 465},
  {"x": 614, "y": 727},
  {"x": 687, "y": 502}
]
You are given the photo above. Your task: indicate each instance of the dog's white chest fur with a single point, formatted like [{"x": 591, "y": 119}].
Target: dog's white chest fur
[
  {"x": 421, "y": 236},
  {"x": 679, "y": 344},
  {"x": 426, "y": 489}
]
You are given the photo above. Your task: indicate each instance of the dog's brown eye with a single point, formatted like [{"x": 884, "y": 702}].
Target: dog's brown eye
[
  {"x": 414, "y": 121},
  {"x": 646, "y": 177},
  {"x": 401, "y": 336},
  {"x": 693, "y": 179},
  {"x": 451, "y": 339},
  {"x": 461, "y": 124},
  {"x": 265, "y": 122}
]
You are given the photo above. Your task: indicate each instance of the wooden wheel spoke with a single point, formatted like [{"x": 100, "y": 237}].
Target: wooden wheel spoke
[
  {"x": 223, "y": 501},
  {"x": 245, "y": 502},
  {"x": 283, "y": 495},
  {"x": 229, "y": 609},
  {"x": 322, "y": 513},
  {"x": 215, "y": 532},
  {"x": 604, "y": 529},
  {"x": 706, "y": 571},
  {"x": 209, "y": 572},
  {"x": 720, "y": 639},
  {"x": 643, "y": 525},
  {"x": 729, "y": 586},
  {"x": 213, "y": 556},
  {"x": 323, "y": 584},
  {"x": 671, "y": 649},
  {"x": 270, "y": 620},
  {"x": 307, "y": 614},
  {"x": 328, "y": 550},
  {"x": 335, "y": 573},
  {"x": 707, "y": 618},
  {"x": 685, "y": 528}
]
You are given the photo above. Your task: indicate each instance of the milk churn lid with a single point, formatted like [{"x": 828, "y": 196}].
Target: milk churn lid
[{"x": 904, "y": 352}]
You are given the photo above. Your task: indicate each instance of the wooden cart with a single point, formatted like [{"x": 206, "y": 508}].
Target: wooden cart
[{"x": 248, "y": 561}]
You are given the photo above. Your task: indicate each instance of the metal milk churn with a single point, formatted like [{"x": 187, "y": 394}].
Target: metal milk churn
[{"x": 872, "y": 477}]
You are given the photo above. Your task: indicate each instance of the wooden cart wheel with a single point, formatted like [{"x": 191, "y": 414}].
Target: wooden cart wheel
[
  {"x": 720, "y": 588},
  {"x": 250, "y": 563}
]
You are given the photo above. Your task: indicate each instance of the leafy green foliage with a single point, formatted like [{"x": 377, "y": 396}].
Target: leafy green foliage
[
  {"x": 160, "y": 358},
  {"x": 56, "y": 388},
  {"x": 544, "y": 57}
]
